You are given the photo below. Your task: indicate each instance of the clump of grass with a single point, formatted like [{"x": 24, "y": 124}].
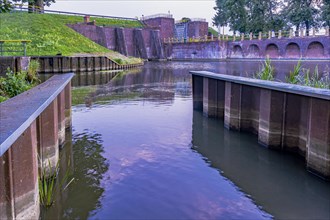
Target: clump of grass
[
  {"x": 266, "y": 72},
  {"x": 119, "y": 61},
  {"x": 32, "y": 72},
  {"x": 293, "y": 77},
  {"x": 315, "y": 80},
  {"x": 48, "y": 183}
]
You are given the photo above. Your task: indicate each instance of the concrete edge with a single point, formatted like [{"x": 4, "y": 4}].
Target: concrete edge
[
  {"x": 8, "y": 138},
  {"x": 277, "y": 86}
]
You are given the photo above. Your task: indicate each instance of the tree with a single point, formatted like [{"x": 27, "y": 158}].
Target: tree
[
  {"x": 236, "y": 15},
  {"x": 5, "y": 6},
  {"x": 220, "y": 18},
  {"x": 302, "y": 13},
  {"x": 36, "y": 5},
  {"x": 325, "y": 13}
]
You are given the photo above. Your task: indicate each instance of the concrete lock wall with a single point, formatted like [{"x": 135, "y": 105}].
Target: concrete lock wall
[
  {"x": 284, "y": 116},
  {"x": 62, "y": 64},
  {"x": 32, "y": 127},
  {"x": 115, "y": 38}
]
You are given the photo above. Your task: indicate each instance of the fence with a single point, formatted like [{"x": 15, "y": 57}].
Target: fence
[
  {"x": 260, "y": 36},
  {"x": 18, "y": 8},
  {"x": 8, "y": 47}
]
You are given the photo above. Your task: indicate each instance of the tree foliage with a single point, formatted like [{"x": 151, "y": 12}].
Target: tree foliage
[{"x": 265, "y": 15}]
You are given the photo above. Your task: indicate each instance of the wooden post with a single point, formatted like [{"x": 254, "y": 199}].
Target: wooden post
[
  {"x": 251, "y": 36},
  {"x": 279, "y": 34},
  {"x": 269, "y": 34},
  {"x": 291, "y": 33},
  {"x": 301, "y": 33},
  {"x": 260, "y": 36},
  {"x": 242, "y": 37}
]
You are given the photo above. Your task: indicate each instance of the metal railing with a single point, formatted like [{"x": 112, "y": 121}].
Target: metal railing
[
  {"x": 25, "y": 9},
  {"x": 156, "y": 16},
  {"x": 9, "y": 47},
  {"x": 251, "y": 36}
]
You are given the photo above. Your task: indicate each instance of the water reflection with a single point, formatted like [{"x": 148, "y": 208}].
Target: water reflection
[
  {"x": 170, "y": 162},
  {"x": 81, "y": 198},
  {"x": 276, "y": 181}
]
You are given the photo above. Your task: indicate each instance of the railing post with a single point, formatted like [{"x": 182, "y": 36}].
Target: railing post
[
  {"x": 279, "y": 34},
  {"x": 234, "y": 37},
  {"x": 313, "y": 32},
  {"x": 260, "y": 36},
  {"x": 327, "y": 32},
  {"x": 251, "y": 36},
  {"x": 291, "y": 33},
  {"x": 1, "y": 47},
  {"x": 301, "y": 33},
  {"x": 269, "y": 34},
  {"x": 24, "y": 48},
  {"x": 227, "y": 37},
  {"x": 242, "y": 37}
]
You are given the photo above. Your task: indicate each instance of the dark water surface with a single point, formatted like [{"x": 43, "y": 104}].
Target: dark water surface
[{"x": 139, "y": 151}]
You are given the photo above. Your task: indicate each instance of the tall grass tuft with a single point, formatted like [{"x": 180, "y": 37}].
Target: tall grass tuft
[
  {"x": 315, "y": 80},
  {"x": 293, "y": 77},
  {"x": 32, "y": 72},
  {"x": 266, "y": 72},
  {"x": 49, "y": 184}
]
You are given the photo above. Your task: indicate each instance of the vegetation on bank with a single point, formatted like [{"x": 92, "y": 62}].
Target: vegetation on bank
[
  {"x": 16, "y": 83},
  {"x": 213, "y": 32},
  {"x": 298, "y": 76},
  {"x": 50, "y": 35}
]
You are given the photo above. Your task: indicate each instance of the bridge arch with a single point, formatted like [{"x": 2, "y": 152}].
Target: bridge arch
[
  {"x": 315, "y": 49},
  {"x": 292, "y": 50},
  {"x": 253, "y": 51},
  {"x": 272, "y": 51},
  {"x": 237, "y": 52}
]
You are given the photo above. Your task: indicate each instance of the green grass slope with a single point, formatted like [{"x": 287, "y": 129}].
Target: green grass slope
[{"x": 50, "y": 35}]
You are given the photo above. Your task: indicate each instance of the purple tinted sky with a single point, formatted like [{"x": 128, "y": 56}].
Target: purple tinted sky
[{"x": 137, "y": 8}]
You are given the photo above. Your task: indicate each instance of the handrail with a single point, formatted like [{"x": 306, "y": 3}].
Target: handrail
[
  {"x": 23, "y": 46},
  {"x": 18, "y": 113},
  {"x": 77, "y": 14}
]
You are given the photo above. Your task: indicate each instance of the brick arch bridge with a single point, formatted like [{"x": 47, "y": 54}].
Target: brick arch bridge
[
  {"x": 314, "y": 47},
  {"x": 285, "y": 48}
]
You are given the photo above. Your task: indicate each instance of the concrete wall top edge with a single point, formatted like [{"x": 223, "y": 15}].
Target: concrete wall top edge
[
  {"x": 19, "y": 112},
  {"x": 278, "y": 86}
]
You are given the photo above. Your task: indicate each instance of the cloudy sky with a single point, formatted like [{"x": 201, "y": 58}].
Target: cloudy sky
[{"x": 137, "y": 8}]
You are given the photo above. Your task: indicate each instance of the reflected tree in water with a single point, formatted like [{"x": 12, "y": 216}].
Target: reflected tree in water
[{"x": 81, "y": 199}]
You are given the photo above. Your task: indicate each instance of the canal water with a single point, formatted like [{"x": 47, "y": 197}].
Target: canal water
[{"x": 138, "y": 150}]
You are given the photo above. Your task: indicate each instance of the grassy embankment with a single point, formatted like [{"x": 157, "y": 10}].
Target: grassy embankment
[{"x": 50, "y": 35}]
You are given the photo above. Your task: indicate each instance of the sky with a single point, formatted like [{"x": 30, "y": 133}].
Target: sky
[{"x": 137, "y": 8}]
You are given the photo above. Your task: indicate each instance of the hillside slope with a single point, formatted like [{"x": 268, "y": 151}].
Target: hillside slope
[{"x": 50, "y": 35}]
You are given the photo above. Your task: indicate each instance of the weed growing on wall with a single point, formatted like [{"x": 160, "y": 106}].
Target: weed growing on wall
[
  {"x": 49, "y": 184},
  {"x": 294, "y": 76},
  {"x": 266, "y": 72}
]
